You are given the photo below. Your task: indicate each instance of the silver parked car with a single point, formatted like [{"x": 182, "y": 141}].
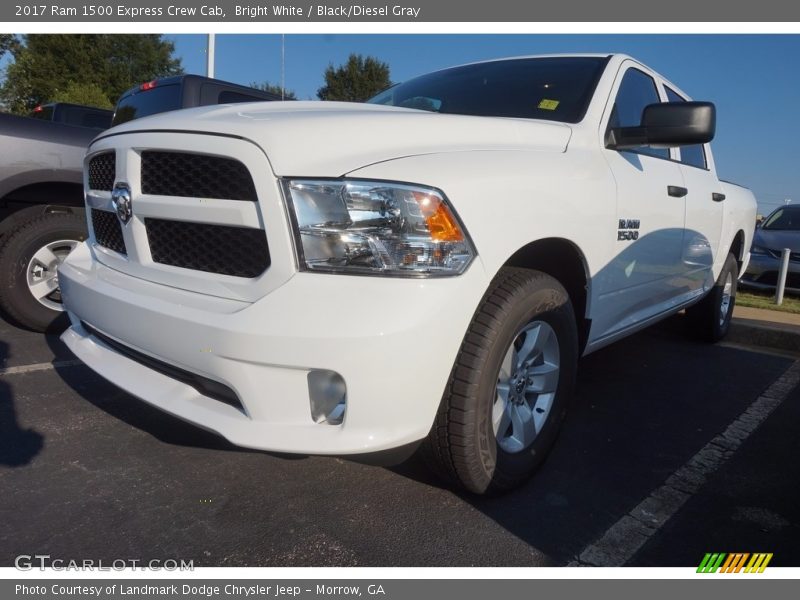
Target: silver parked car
[{"x": 781, "y": 229}]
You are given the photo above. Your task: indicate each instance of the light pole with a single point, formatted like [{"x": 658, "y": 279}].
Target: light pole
[{"x": 210, "y": 55}]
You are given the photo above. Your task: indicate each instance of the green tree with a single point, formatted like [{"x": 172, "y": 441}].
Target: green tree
[
  {"x": 88, "y": 94},
  {"x": 355, "y": 81},
  {"x": 274, "y": 88},
  {"x": 8, "y": 42},
  {"x": 46, "y": 64}
]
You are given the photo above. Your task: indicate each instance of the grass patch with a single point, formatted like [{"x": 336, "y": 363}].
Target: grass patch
[{"x": 755, "y": 299}]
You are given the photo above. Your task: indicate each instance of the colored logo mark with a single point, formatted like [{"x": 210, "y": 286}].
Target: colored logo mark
[{"x": 735, "y": 562}]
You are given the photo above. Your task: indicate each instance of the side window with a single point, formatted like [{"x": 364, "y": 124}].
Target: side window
[
  {"x": 229, "y": 97},
  {"x": 690, "y": 155},
  {"x": 636, "y": 91}
]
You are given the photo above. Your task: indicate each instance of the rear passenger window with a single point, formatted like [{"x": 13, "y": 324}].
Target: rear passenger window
[
  {"x": 229, "y": 97},
  {"x": 636, "y": 91},
  {"x": 694, "y": 156}
]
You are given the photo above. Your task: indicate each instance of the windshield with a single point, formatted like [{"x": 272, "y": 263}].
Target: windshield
[
  {"x": 555, "y": 89},
  {"x": 786, "y": 219},
  {"x": 148, "y": 102}
]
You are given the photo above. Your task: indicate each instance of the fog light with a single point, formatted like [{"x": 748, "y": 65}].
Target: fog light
[{"x": 328, "y": 395}]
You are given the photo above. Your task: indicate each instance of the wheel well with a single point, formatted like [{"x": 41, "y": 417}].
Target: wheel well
[
  {"x": 563, "y": 260},
  {"x": 48, "y": 192},
  {"x": 30, "y": 201},
  {"x": 737, "y": 248}
]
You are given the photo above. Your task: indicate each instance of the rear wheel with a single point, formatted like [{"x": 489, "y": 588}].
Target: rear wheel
[
  {"x": 510, "y": 386},
  {"x": 710, "y": 318},
  {"x": 29, "y": 261}
]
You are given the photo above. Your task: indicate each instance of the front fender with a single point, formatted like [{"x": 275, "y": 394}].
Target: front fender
[{"x": 508, "y": 199}]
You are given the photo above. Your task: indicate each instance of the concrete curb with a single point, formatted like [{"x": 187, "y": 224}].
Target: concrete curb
[{"x": 767, "y": 335}]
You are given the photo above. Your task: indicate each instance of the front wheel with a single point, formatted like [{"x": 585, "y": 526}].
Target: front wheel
[
  {"x": 510, "y": 386},
  {"x": 29, "y": 262},
  {"x": 710, "y": 318}
]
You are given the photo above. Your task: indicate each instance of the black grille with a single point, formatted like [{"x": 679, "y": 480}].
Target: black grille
[
  {"x": 102, "y": 170},
  {"x": 107, "y": 230},
  {"x": 204, "y": 385},
  {"x": 195, "y": 176},
  {"x": 222, "y": 249}
]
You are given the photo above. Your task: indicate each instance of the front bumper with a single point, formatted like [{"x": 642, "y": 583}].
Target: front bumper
[
  {"x": 393, "y": 341},
  {"x": 763, "y": 270}
]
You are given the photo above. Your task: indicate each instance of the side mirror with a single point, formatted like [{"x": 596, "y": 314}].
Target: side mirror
[{"x": 668, "y": 124}]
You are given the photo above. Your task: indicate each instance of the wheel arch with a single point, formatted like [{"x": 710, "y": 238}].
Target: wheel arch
[
  {"x": 737, "y": 248},
  {"x": 29, "y": 201},
  {"x": 562, "y": 259}
]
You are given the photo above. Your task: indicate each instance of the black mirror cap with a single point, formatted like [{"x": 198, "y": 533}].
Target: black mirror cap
[{"x": 668, "y": 124}]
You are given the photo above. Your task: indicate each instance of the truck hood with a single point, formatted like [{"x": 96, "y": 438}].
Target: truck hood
[
  {"x": 777, "y": 239},
  {"x": 330, "y": 139}
]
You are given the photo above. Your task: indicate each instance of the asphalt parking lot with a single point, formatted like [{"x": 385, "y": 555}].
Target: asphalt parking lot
[{"x": 87, "y": 471}]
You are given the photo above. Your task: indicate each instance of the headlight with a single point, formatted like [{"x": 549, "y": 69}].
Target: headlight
[
  {"x": 758, "y": 250},
  {"x": 374, "y": 227}
]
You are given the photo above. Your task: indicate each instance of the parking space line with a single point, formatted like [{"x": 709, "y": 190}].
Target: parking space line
[
  {"x": 46, "y": 366},
  {"x": 621, "y": 542}
]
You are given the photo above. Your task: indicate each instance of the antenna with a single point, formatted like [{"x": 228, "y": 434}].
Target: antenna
[{"x": 283, "y": 64}]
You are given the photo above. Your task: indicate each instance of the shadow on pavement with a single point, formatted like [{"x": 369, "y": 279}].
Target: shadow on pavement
[
  {"x": 638, "y": 416},
  {"x": 643, "y": 407},
  {"x": 18, "y": 446},
  {"x": 137, "y": 413}
]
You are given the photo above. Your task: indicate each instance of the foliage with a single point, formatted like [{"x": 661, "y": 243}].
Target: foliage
[
  {"x": 357, "y": 80},
  {"x": 8, "y": 42},
  {"x": 88, "y": 94},
  {"x": 766, "y": 300},
  {"x": 275, "y": 89},
  {"x": 47, "y": 64}
]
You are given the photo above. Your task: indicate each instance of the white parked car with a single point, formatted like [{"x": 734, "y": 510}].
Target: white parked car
[{"x": 343, "y": 279}]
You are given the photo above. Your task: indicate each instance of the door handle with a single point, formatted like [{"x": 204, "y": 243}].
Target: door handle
[
  {"x": 717, "y": 197},
  {"x": 677, "y": 191}
]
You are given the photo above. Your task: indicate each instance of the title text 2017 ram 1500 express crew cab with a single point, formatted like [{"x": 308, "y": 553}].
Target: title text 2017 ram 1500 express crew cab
[{"x": 335, "y": 278}]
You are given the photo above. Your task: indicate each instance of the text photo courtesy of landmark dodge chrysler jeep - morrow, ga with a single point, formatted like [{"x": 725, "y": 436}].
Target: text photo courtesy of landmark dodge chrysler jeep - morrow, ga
[{"x": 421, "y": 272}]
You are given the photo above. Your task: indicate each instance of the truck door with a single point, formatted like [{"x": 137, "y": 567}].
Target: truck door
[
  {"x": 704, "y": 207},
  {"x": 644, "y": 275}
]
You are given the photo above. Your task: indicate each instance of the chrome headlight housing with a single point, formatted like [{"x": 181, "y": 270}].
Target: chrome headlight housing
[{"x": 376, "y": 227}]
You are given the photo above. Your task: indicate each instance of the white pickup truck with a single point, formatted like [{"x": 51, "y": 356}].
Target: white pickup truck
[{"x": 344, "y": 279}]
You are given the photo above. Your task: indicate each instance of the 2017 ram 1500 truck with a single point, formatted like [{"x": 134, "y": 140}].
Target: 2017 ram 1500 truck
[{"x": 335, "y": 278}]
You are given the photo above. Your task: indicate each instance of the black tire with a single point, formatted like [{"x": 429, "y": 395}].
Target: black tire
[
  {"x": 16, "y": 300},
  {"x": 462, "y": 445},
  {"x": 706, "y": 319}
]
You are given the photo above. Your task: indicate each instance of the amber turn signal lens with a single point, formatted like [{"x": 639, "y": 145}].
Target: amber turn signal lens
[{"x": 441, "y": 223}]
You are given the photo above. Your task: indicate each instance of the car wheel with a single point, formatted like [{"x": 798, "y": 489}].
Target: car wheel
[
  {"x": 510, "y": 385},
  {"x": 29, "y": 260},
  {"x": 710, "y": 318}
]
